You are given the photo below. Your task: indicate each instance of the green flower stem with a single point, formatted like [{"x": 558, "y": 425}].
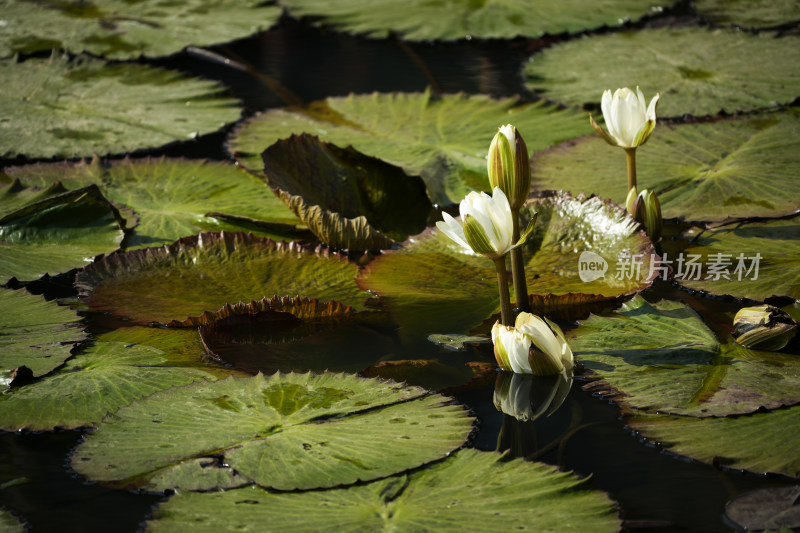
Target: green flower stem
[
  {"x": 506, "y": 317},
  {"x": 630, "y": 156},
  {"x": 518, "y": 267}
]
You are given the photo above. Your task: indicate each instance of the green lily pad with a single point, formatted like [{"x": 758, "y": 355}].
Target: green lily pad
[
  {"x": 663, "y": 357},
  {"x": 16, "y": 195},
  {"x": 421, "y": 20},
  {"x": 9, "y": 523},
  {"x": 768, "y": 508},
  {"x": 749, "y": 13},
  {"x": 58, "y": 234},
  {"x": 171, "y": 197},
  {"x": 743, "y": 167},
  {"x": 431, "y": 282},
  {"x": 470, "y": 488},
  {"x": 74, "y": 108},
  {"x": 444, "y": 140},
  {"x": 287, "y": 431},
  {"x": 96, "y": 382},
  {"x": 753, "y": 260},
  {"x": 760, "y": 443},
  {"x": 125, "y": 30},
  {"x": 34, "y": 333},
  {"x": 347, "y": 199},
  {"x": 718, "y": 75},
  {"x": 204, "y": 272}
]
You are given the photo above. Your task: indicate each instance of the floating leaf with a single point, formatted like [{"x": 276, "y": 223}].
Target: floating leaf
[
  {"x": 58, "y": 234},
  {"x": 57, "y": 107},
  {"x": 287, "y": 431},
  {"x": 15, "y": 195},
  {"x": 124, "y": 30},
  {"x": 663, "y": 357},
  {"x": 34, "y": 333},
  {"x": 697, "y": 71},
  {"x": 743, "y": 167},
  {"x": 347, "y": 199},
  {"x": 760, "y": 443},
  {"x": 470, "y": 489},
  {"x": 421, "y": 20},
  {"x": 433, "y": 283},
  {"x": 444, "y": 140},
  {"x": 205, "y": 272},
  {"x": 455, "y": 341},
  {"x": 769, "y": 508},
  {"x": 749, "y": 13},
  {"x": 172, "y": 197},
  {"x": 754, "y": 260},
  {"x": 9, "y": 523},
  {"x": 98, "y": 381}
]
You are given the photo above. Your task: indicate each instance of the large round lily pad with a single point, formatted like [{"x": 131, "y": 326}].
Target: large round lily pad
[
  {"x": 760, "y": 443},
  {"x": 93, "y": 383},
  {"x": 749, "y": 13},
  {"x": 287, "y": 431},
  {"x": 753, "y": 260},
  {"x": 126, "y": 30},
  {"x": 662, "y": 357},
  {"x": 718, "y": 74},
  {"x": 72, "y": 108},
  {"x": 204, "y": 272},
  {"x": 420, "y": 20},
  {"x": 431, "y": 282},
  {"x": 58, "y": 233},
  {"x": 444, "y": 140},
  {"x": 743, "y": 167},
  {"x": 470, "y": 491},
  {"x": 34, "y": 333},
  {"x": 171, "y": 197},
  {"x": 347, "y": 199}
]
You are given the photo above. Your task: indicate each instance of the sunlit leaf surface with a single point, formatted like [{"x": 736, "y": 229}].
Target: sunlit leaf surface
[
  {"x": 742, "y": 167},
  {"x": 464, "y": 493},
  {"x": 444, "y": 140},
  {"x": 749, "y": 13},
  {"x": 697, "y": 71},
  {"x": 662, "y": 357},
  {"x": 287, "y": 431},
  {"x": 74, "y": 108},
  {"x": 126, "y": 30}
]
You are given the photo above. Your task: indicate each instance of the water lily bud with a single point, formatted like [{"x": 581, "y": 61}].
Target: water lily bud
[
  {"x": 763, "y": 328},
  {"x": 511, "y": 349},
  {"x": 629, "y": 119},
  {"x": 646, "y": 209},
  {"x": 508, "y": 165},
  {"x": 630, "y": 201}
]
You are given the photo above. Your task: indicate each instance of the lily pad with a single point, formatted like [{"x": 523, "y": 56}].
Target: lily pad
[
  {"x": 748, "y": 260},
  {"x": 204, "y": 272},
  {"x": 749, "y": 13},
  {"x": 663, "y": 357},
  {"x": 34, "y": 333},
  {"x": 74, "y": 108},
  {"x": 124, "y": 30},
  {"x": 103, "y": 378},
  {"x": 58, "y": 234},
  {"x": 172, "y": 197},
  {"x": 770, "y": 508},
  {"x": 455, "y": 342},
  {"x": 431, "y": 282},
  {"x": 421, "y": 20},
  {"x": 287, "y": 431},
  {"x": 347, "y": 199},
  {"x": 471, "y": 487},
  {"x": 15, "y": 195},
  {"x": 444, "y": 140},
  {"x": 760, "y": 443},
  {"x": 697, "y": 71},
  {"x": 9, "y": 523},
  {"x": 743, "y": 167}
]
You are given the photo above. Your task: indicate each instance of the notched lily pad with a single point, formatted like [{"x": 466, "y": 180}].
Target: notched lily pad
[
  {"x": 719, "y": 73},
  {"x": 482, "y": 487},
  {"x": 348, "y": 200},
  {"x": 286, "y": 431},
  {"x": 444, "y": 140},
  {"x": 204, "y": 272},
  {"x": 34, "y": 333},
  {"x": 772, "y": 508},
  {"x": 662, "y": 357}
]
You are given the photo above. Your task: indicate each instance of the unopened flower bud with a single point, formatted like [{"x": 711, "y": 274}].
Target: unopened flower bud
[
  {"x": 508, "y": 165},
  {"x": 646, "y": 209}
]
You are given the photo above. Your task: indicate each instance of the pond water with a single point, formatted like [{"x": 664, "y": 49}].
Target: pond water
[{"x": 656, "y": 491}]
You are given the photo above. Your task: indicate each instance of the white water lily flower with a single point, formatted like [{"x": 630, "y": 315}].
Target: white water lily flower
[
  {"x": 511, "y": 349},
  {"x": 629, "y": 119},
  {"x": 512, "y": 346},
  {"x": 486, "y": 225}
]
